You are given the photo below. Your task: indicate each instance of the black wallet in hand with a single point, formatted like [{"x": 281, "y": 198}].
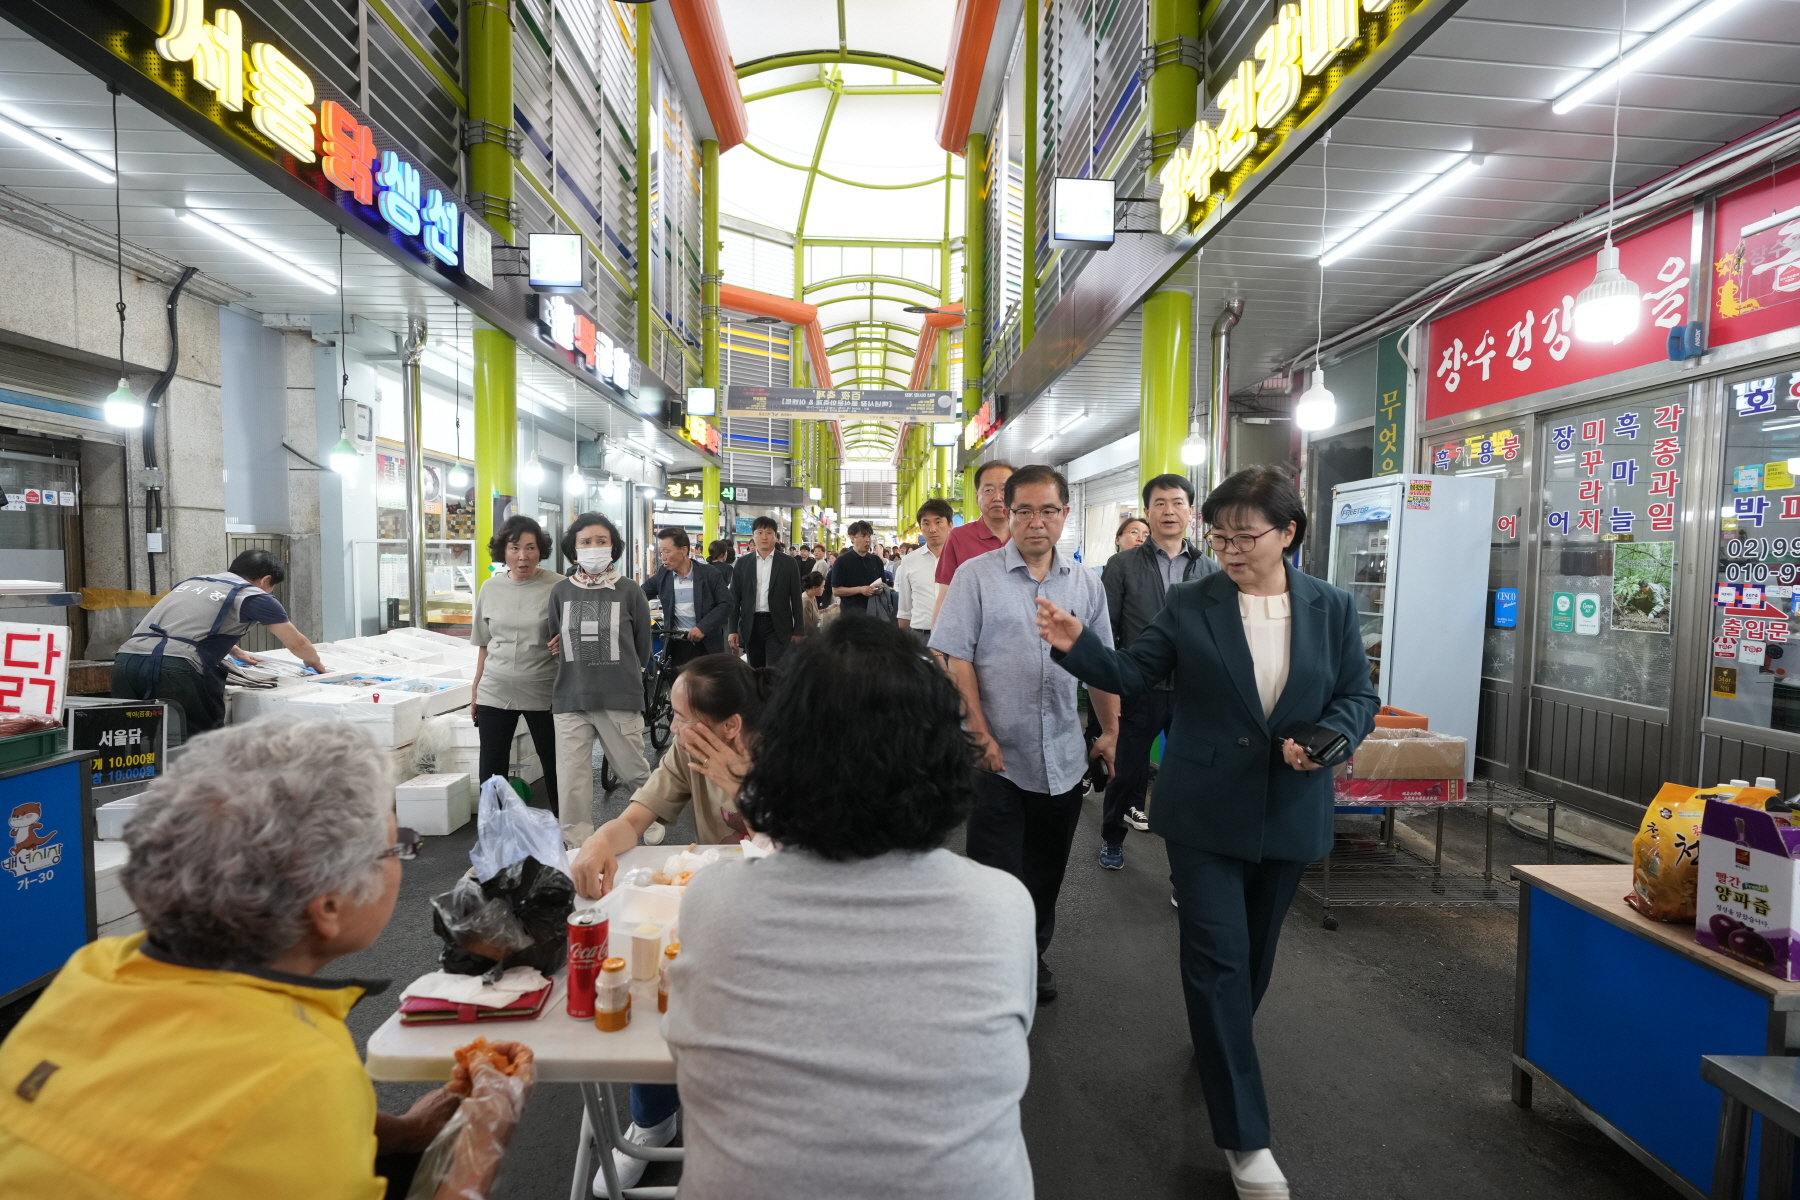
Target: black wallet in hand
[{"x": 1327, "y": 747}]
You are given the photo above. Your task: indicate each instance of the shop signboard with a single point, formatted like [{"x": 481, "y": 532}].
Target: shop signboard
[
  {"x": 34, "y": 666},
  {"x": 763, "y": 495},
  {"x": 1392, "y": 383},
  {"x": 124, "y": 743},
  {"x": 839, "y": 404},
  {"x": 1756, "y": 259},
  {"x": 1522, "y": 341},
  {"x": 45, "y": 865}
]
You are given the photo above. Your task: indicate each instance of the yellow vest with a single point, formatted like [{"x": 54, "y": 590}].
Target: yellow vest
[{"x": 134, "y": 1078}]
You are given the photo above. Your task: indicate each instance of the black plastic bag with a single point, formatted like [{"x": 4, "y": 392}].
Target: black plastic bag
[{"x": 518, "y": 918}]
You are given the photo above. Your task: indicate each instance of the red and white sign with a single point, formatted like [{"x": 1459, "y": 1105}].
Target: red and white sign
[
  {"x": 1521, "y": 341},
  {"x": 1756, "y": 277},
  {"x": 34, "y": 666}
]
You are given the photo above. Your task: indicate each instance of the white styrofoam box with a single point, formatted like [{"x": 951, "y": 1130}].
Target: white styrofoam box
[
  {"x": 110, "y": 899},
  {"x": 463, "y": 672},
  {"x": 251, "y": 703},
  {"x": 431, "y": 636},
  {"x": 445, "y": 801},
  {"x": 432, "y": 817},
  {"x": 440, "y": 695},
  {"x": 405, "y": 649},
  {"x": 112, "y": 817},
  {"x": 124, "y": 926},
  {"x": 442, "y": 785},
  {"x": 390, "y": 723}
]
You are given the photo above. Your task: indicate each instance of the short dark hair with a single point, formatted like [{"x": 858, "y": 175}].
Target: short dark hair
[
  {"x": 1168, "y": 481},
  {"x": 857, "y": 527},
  {"x": 814, "y": 580},
  {"x": 1127, "y": 523},
  {"x": 1268, "y": 490},
  {"x": 764, "y": 522},
  {"x": 722, "y": 686},
  {"x": 584, "y": 521},
  {"x": 937, "y": 507},
  {"x": 903, "y": 718},
  {"x": 996, "y": 465},
  {"x": 676, "y": 534},
  {"x": 720, "y": 549},
  {"x": 1037, "y": 473},
  {"x": 255, "y": 564},
  {"x": 516, "y": 529}
]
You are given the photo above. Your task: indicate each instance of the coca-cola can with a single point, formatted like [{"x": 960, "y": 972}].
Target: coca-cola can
[{"x": 587, "y": 950}]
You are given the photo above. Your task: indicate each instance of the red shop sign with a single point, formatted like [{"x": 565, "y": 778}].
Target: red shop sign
[
  {"x": 1756, "y": 277},
  {"x": 1520, "y": 341}
]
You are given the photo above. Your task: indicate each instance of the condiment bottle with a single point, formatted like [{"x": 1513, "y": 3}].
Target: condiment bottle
[
  {"x": 662, "y": 976},
  {"x": 612, "y": 997}
]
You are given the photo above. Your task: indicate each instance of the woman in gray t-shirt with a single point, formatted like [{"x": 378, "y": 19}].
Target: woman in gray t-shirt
[{"x": 514, "y": 672}]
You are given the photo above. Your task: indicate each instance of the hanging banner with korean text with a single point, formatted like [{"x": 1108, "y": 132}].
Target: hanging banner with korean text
[
  {"x": 1391, "y": 387},
  {"x": 34, "y": 668},
  {"x": 834, "y": 404},
  {"x": 1521, "y": 341},
  {"x": 1756, "y": 260}
]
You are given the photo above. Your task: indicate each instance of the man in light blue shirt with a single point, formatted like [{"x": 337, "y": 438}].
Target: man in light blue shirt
[{"x": 1022, "y": 706}]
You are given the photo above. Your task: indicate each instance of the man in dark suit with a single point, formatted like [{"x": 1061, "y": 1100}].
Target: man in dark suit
[
  {"x": 696, "y": 600},
  {"x": 766, "y": 588}
]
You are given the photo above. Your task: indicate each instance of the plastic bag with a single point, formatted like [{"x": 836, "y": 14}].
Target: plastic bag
[
  {"x": 464, "y": 1158},
  {"x": 509, "y": 830}
]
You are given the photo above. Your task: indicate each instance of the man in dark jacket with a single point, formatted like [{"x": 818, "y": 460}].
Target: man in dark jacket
[
  {"x": 1136, "y": 582},
  {"x": 696, "y": 601},
  {"x": 766, "y": 589}
]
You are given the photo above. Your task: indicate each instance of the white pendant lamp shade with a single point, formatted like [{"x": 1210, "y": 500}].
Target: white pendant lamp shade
[
  {"x": 1193, "y": 449},
  {"x": 576, "y": 483},
  {"x": 1607, "y": 309},
  {"x": 533, "y": 471},
  {"x": 1317, "y": 408},
  {"x": 458, "y": 478},
  {"x": 344, "y": 456},
  {"x": 123, "y": 409}
]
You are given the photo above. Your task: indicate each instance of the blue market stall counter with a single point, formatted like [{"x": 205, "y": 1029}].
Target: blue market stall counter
[
  {"x": 1615, "y": 1010},
  {"x": 47, "y": 872}
]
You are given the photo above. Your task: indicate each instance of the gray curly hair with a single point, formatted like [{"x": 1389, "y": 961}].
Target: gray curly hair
[{"x": 250, "y": 824}]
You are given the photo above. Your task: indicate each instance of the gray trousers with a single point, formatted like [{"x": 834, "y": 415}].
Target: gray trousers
[{"x": 621, "y": 736}]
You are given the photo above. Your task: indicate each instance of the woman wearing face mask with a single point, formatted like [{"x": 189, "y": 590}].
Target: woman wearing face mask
[
  {"x": 600, "y": 626},
  {"x": 718, "y": 701}
]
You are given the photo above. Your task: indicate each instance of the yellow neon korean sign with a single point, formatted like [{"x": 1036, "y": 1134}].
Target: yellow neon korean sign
[
  {"x": 1303, "y": 42},
  {"x": 279, "y": 92}
]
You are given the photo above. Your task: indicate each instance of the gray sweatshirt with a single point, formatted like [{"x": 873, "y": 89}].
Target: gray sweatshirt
[{"x": 605, "y": 644}]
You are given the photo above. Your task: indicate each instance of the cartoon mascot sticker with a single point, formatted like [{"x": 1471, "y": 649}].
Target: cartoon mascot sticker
[{"x": 32, "y": 849}]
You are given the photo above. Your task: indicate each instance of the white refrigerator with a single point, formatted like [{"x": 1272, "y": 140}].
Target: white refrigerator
[{"x": 1413, "y": 551}]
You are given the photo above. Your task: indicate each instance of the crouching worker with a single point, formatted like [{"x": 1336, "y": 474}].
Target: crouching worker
[{"x": 206, "y": 1057}]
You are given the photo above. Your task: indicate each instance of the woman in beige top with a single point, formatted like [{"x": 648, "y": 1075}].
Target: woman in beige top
[{"x": 515, "y": 672}]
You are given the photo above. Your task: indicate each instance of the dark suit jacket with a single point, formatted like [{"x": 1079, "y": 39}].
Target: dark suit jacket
[
  {"x": 785, "y": 611},
  {"x": 713, "y": 608},
  {"x": 1223, "y": 786}
]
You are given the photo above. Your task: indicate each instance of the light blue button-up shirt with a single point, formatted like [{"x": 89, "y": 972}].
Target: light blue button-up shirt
[{"x": 990, "y": 619}]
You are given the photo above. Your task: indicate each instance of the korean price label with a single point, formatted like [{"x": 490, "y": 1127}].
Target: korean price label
[{"x": 34, "y": 666}]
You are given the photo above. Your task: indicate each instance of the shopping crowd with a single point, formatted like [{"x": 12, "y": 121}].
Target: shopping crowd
[{"x": 848, "y": 1016}]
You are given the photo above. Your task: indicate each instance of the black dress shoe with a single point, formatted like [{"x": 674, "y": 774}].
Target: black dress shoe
[{"x": 1046, "y": 984}]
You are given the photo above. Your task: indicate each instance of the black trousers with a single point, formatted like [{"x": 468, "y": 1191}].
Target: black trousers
[
  {"x": 1141, "y": 719},
  {"x": 1027, "y": 835},
  {"x": 199, "y": 696},
  {"x": 1230, "y": 916},
  {"x": 763, "y": 647},
  {"x": 497, "y": 726}
]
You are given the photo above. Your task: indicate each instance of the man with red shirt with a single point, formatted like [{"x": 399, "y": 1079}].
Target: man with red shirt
[{"x": 973, "y": 538}]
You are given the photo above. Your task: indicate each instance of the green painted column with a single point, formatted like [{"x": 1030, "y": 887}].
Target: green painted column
[
  {"x": 709, "y": 264},
  {"x": 1167, "y": 380},
  {"x": 709, "y": 500},
  {"x": 971, "y": 508},
  {"x": 496, "y": 427},
  {"x": 1028, "y": 285},
  {"x": 646, "y": 304},
  {"x": 1173, "y": 85},
  {"x": 974, "y": 290}
]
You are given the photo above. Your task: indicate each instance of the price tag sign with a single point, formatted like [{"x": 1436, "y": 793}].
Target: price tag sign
[
  {"x": 34, "y": 666},
  {"x": 124, "y": 743}
]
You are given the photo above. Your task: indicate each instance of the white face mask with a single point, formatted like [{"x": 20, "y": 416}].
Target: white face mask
[{"x": 594, "y": 560}]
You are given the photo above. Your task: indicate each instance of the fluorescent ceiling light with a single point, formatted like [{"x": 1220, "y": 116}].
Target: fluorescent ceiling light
[
  {"x": 1780, "y": 218},
  {"x": 543, "y": 397},
  {"x": 1073, "y": 421},
  {"x": 1644, "y": 53},
  {"x": 267, "y": 257},
  {"x": 1430, "y": 190},
  {"x": 52, "y": 148}
]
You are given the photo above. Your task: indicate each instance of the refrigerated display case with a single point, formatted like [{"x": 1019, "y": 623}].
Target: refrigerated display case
[{"x": 1413, "y": 552}]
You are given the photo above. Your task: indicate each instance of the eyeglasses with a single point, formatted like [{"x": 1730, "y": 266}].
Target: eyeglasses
[
  {"x": 1026, "y": 514},
  {"x": 406, "y": 849},
  {"x": 1242, "y": 542}
]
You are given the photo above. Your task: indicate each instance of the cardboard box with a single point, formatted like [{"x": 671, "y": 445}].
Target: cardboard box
[
  {"x": 1749, "y": 876},
  {"x": 1410, "y": 754},
  {"x": 1381, "y": 792},
  {"x": 1388, "y": 717}
]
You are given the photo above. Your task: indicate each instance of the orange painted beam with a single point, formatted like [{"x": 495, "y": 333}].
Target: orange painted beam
[
  {"x": 970, "y": 35},
  {"x": 703, "y": 33},
  {"x": 948, "y": 317},
  {"x": 794, "y": 312}
]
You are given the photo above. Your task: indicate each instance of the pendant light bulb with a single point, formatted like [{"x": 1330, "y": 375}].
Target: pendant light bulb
[
  {"x": 1607, "y": 309},
  {"x": 345, "y": 457},
  {"x": 1193, "y": 450},
  {"x": 458, "y": 478},
  {"x": 1317, "y": 408},
  {"x": 533, "y": 473},
  {"x": 123, "y": 408},
  {"x": 575, "y": 483}
]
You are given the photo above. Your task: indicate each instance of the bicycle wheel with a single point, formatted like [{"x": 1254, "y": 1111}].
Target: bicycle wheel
[
  {"x": 660, "y": 714},
  {"x": 608, "y": 781}
]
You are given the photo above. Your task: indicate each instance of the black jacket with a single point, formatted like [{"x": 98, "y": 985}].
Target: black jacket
[
  {"x": 713, "y": 608},
  {"x": 785, "y": 610},
  {"x": 1135, "y": 591}
]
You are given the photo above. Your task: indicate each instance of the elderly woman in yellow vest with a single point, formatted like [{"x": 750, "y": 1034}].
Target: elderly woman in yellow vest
[{"x": 206, "y": 1057}]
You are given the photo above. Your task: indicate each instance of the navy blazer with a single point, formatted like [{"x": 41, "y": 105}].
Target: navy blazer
[
  {"x": 1223, "y": 786},
  {"x": 713, "y": 609}
]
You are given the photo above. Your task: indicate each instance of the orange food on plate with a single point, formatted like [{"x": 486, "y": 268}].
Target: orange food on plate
[{"x": 508, "y": 1058}]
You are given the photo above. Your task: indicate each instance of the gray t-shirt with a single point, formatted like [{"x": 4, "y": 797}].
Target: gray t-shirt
[
  {"x": 853, "y": 1029},
  {"x": 605, "y": 643},
  {"x": 512, "y": 620}
]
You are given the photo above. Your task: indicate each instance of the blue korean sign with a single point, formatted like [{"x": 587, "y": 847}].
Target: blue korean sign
[
  {"x": 44, "y": 874},
  {"x": 1506, "y": 608}
]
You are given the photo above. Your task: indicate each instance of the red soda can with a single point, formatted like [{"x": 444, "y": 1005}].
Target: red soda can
[{"x": 587, "y": 950}]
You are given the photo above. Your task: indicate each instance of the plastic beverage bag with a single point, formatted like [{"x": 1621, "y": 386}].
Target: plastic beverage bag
[
  {"x": 512, "y": 908},
  {"x": 463, "y": 1160}
]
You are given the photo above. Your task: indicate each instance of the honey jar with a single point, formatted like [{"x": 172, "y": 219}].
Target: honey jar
[{"x": 612, "y": 997}]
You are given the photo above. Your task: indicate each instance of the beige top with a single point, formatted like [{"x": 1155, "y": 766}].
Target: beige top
[
  {"x": 1266, "y": 628},
  {"x": 675, "y": 784},
  {"x": 512, "y": 620}
]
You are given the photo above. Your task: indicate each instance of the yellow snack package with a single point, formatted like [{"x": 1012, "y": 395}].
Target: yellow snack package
[{"x": 1665, "y": 854}]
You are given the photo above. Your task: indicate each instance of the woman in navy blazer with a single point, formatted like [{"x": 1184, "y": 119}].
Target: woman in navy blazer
[{"x": 1240, "y": 806}]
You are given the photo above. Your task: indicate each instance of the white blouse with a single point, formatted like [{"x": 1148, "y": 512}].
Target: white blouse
[{"x": 1266, "y": 627}]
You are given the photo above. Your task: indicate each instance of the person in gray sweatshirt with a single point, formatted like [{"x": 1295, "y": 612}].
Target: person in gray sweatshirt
[{"x": 600, "y": 635}]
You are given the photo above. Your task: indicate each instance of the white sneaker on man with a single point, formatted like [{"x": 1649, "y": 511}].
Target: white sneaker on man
[
  {"x": 1256, "y": 1176},
  {"x": 630, "y": 1169}
]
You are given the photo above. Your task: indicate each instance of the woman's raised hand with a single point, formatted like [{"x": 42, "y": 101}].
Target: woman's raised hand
[
  {"x": 1057, "y": 626},
  {"x": 724, "y": 762}
]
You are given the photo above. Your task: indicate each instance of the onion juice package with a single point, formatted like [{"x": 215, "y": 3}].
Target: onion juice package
[{"x": 1749, "y": 877}]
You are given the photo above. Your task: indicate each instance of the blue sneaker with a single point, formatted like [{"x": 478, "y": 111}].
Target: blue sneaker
[{"x": 1112, "y": 856}]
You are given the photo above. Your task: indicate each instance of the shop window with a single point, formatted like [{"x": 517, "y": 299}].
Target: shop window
[
  {"x": 1500, "y": 455},
  {"x": 450, "y": 561},
  {"x": 1755, "y": 668},
  {"x": 1612, "y": 480}
]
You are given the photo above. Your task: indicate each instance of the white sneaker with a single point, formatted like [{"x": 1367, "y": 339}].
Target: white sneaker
[
  {"x": 1256, "y": 1176},
  {"x": 654, "y": 835},
  {"x": 629, "y": 1169}
]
